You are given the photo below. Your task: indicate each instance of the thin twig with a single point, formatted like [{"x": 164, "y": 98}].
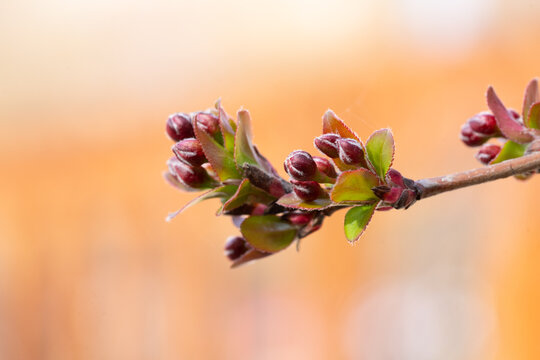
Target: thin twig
[{"x": 438, "y": 185}]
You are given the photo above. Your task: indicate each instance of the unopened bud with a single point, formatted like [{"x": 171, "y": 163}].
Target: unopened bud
[
  {"x": 235, "y": 247},
  {"x": 351, "y": 152},
  {"x": 306, "y": 190},
  {"x": 179, "y": 127},
  {"x": 325, "y": 166},
  {"x": 471, "y": 137},
  {"x": 487, "y": 153},
  {"x": 209, "y": 123},
  {"x": 189, "y": 151},
  {"x": 328, "y": 145},
  {"x": 394, "y": 178},
  {"x": 388, "y": 194},
  {"x": 301, "y": 218},
  {"x": 484, "y": 123},
  {"x": 192, "y": 176},
  {"x": 300, "y": 165}
]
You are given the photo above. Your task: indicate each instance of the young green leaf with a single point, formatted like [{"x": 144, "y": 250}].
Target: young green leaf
[
  {"x": 510, "y": 150},
  {"x": 510, "y": 127},
  {"x": 291, "y": 200},
  {"x": 380, "y": 151},
  {"x": 268, "y": 233},
  {"x": 357, "y": 219},
  {"x": 533, "y": 120},
  {"x": 226, "y": 128},
  {"x": 247, "y": 194},
  {"x": 244, "y": 151},
  {"x": 222, "y": 192},
  {"x": 355, "y": 185},
  {"x": 221, "y": 160}
]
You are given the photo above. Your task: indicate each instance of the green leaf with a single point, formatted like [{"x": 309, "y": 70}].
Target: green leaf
[
  {"x": 291, "y": 200},
  {"x": 510, "y": 150},
  {"x": 380, "y": 151},
  {"x": 247, "y": 194},
  {"x": 221, "y": 160},
  {"x": 222, "y": 192},
  {"x": 357, "y": 219},
  {"x": 533, "y": 120},
  {"x": 226, "y": 128},
  {"x": 355, "y": 185},
  {"x": 243, "y": 150},
  {"x": 268, "y": 233}
]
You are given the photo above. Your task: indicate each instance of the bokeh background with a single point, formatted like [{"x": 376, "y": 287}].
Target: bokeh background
[{"x": 89, "y": 269}]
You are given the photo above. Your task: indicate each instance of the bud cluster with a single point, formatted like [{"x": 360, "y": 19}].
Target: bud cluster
[
  {"x": 189, "y": 166},
  {"x": 481, "y": 128},
  {"x": 400, "y": 192},
  {"x": 349, "y": 151},
  {"x": 307, "y": 172}
]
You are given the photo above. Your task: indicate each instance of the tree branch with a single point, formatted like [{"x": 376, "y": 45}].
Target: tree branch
[{"x": 441, "y": 184}]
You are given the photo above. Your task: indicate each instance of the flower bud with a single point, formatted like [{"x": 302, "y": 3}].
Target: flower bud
[
  {"x": 487, "y": 153},
  {"x": 179, "y": 126},
  {"x": 306, "y": 190},
  {"x": 325, "y": 166},
  {"x": 235, "y": 247},
  {"x": 328, "y": 145},
  {"x": 484, "y": 123},
  {"x": 471, "y": 137},
  {"x": 394, "y": 178},
  {"x": 192, "y": 176},
  {"x": 208, "y": 123},
  {"x": 351, "y": 152},
  {"x": 189, "y": 151},
  {"x": 300, "y": 165},
  {"x": 300, "y": 218}
]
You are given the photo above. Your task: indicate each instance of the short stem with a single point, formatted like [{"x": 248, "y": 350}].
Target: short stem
[{"x": 438, "y": 185}]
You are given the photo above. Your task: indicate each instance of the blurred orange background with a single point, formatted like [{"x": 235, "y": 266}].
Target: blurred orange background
[{"x": 89, "y": 269}]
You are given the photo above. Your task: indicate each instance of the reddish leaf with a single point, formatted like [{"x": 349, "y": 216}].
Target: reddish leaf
[
  {"x": 334, "y": 125},
  {"x": 511, "y": 128},
  {"x": 355, "y": 186},
  {"x": 244, "y": 151},
  {"x": 250, "y": 255},
  {"x": 530, "y": 97},
  {"x": 226, "y": 128}
]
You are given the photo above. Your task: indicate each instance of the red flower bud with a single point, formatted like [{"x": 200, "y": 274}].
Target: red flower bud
[
  {"x": 471, "y": 137},
  {"x": 484, "y": 123},
  {"x": 179, "y": 126},
  {"x": 235, "y": 247},
  {"x": 328, "y": 145},
  {"x": 300, "y": 219},
  {"x": 192, "y": 176},
  {"x": 208, "y": 123},
  {"x": 487, "y": 153},
  {"x": 325, "y": 166},
  {"x": 351, "y": 152},
  {"x": 300, "y": 165},
  {"x": 306, "y": 190},
  {"x": 394, "y": 178},
  {"x": 189, "y": 151}
]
